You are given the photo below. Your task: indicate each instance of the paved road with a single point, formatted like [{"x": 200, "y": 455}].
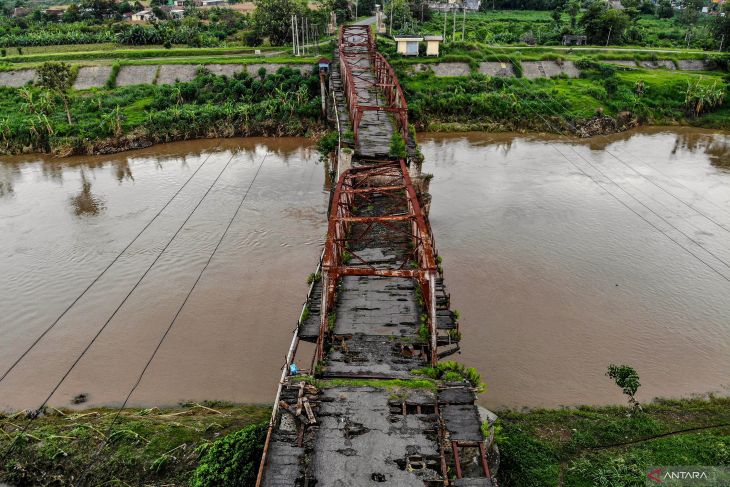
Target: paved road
[{"x": 367, "y": 21}]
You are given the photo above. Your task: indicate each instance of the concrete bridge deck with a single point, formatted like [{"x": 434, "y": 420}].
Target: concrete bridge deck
[{"x": 377, "y": 311}]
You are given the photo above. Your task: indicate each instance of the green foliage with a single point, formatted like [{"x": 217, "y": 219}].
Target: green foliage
[
  {"x": 281, "y": 103},
  {"x": 424, "y": 333},
  {"x": 305, "y": 314},
  {"x": 485, "y": 103},
  {"x": 605, "y": 446},
  {"x": 389, "y": 384},
  {"x": 146, "y": 447},
  {"x": 232, "y": 460},
  {"x": 328, "y": 143},
  {"x": 314, "y": 277},
  {"x": 664, "y": 9},
  {"x": 700, "y": 98},
  {"x": 453, "y": 371},
  {"x": 272, "y": 19},
  {"x": 112, "y": 81},
  {"x": 398, "y": 146}
]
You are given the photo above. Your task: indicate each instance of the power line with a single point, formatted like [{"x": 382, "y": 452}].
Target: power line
[
  {"x": 621, "y": 201},
  {"x": 96, "y": 279},
  {"x": 640, "y": 173},
  {"x": 625, "y": 191},
  {"x": 172, "y": 323},
  {"x": 106, "y": 323}
]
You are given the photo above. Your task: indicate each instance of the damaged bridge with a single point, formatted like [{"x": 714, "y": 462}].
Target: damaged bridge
[{"x": 372, "y": 408}]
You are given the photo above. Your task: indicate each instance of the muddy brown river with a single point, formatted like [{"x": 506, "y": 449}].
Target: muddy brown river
[{"x": 562, "y": 256}]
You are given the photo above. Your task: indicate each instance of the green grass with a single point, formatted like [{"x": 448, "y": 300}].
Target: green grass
[
  {"x": 109, "y": 119},
  {"x": 389, "y": 384},
  {"x": 146, "y": 53},
  {"x": 144, "y": 446},
  {"x": 556, "y": 104},
  {"x": 604, "y": 446},
  {"x": 509, "y": 27}
]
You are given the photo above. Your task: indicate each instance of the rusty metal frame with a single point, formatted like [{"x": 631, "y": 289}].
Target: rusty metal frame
[
  {"x": 364, "y": 180},
  {"x": 356, "y": 45}
]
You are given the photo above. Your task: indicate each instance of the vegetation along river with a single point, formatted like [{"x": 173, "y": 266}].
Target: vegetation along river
[{"x": 561, "y": 255}]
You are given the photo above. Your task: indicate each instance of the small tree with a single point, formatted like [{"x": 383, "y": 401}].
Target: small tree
[
  {"x": 573, "y": 8},
  {"x": 664, "y": 9},
  {"x": 557, "y": 17},
  {"x": 628, "y": 380},
  {"x": 272, "y": 19},
  {"x": 56, "y": 77}
]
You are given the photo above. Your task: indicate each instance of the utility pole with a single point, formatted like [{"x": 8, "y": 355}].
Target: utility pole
[
  {"x": 306, "y": 35},
  {"x": 721, "y": 42},
  {"x": 444, "y": 14},
  {"x": 355, "y": 9},
  {"x": 463, "y": 22},
  {"x": 453, "y": 29},
  {"x": 609, "y": 35},
  {"x": 293, "y": 37},
  {"x": 390, "y": 20}
]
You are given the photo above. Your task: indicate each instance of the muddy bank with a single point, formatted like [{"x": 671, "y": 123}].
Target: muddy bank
[{"x": 141, "y": 139}]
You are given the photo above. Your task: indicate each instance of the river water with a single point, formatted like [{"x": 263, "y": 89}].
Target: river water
[{"x": 562, "y": 256}]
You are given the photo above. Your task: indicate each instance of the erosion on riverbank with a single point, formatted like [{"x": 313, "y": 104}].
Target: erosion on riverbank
[{"x": 581, "y": 446}]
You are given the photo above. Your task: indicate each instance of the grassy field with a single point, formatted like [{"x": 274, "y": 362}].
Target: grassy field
[
  {"x": 509, "y": 27},
  {"x": 605, "y": 446},
  {"x": 160, "y": 446}
]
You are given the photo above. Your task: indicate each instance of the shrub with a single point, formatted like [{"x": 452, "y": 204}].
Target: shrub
[{"x": 232, "y": 460}]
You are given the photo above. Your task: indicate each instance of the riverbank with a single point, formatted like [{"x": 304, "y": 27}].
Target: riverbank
[
  {"x": 570, "y": 447},
  {"x": 114, "y": 119},
  {"x": 583, "y": 98},
  {"x": 159, "y": 446},
  {"x": 609, "y": 446}
]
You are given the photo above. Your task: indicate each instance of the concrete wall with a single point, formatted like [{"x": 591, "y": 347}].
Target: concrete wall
[
  {"x": 17, "y": 78},
  {"x": 91, "y": 76},
  {"x": 97, "y": 76}
]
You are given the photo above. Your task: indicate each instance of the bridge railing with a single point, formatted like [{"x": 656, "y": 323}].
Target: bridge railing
[
  {"x": 339, "y": 258},
  {"x": 358, "y": 43}
]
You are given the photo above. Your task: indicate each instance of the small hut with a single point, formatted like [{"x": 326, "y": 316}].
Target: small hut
[{"x": 407, "y": 45}]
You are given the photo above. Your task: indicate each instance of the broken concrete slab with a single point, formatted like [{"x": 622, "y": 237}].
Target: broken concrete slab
[
  {"x": 360, "y": 442},
  {"x": 377, "y": 306}
]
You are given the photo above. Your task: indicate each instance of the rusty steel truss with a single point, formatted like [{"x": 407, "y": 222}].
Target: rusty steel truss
[
  {"x": 420, "y": 265},
  {"x": 360, "y": 62}
]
